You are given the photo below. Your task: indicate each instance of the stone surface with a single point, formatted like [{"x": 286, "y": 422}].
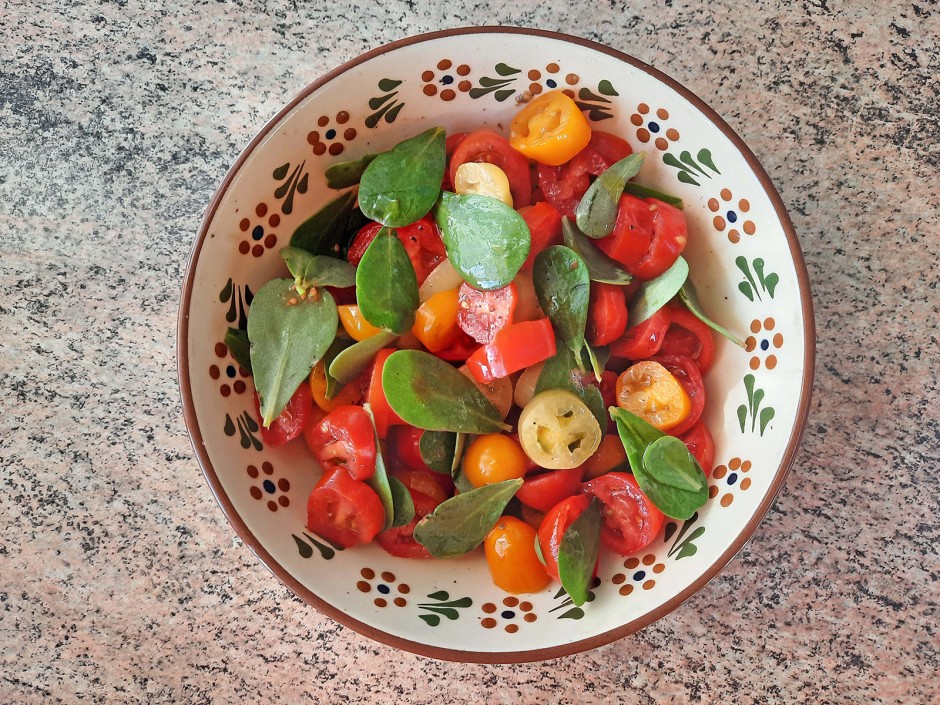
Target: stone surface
[{"x": 121, "y": 580}]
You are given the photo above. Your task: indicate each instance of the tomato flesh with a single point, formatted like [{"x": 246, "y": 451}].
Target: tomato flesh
[
  {"x": 631, "y": 520},
  {"x": 648, "y": 236},
  {"x": 544, "y": 223},
  {"x": 487, "y": 146},
  {"x": 400, "y": 540},
  {"x": 515, "y": 347},
  {"x": 291, "y": 422},
  {"x": 689, "y": 337},
  {"x": 607, "y": 313},
  {"x": 344, "y": 437},
  {"x": 701, "y": 445},
  {"x": 643, "y": 340},
  {"x": 422, "y": 241},
  {"x": 343, "y": 510},
  {"x": 482, "y": 314},
  {"x": 383, "y": 414},
  {"x": 544, "y": 491}
]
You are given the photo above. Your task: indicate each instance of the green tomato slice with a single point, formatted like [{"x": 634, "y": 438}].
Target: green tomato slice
[{"x": 557, "y": 430}]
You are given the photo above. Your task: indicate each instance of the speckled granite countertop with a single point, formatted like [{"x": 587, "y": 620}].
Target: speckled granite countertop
[{"x": 121, "y": 580}]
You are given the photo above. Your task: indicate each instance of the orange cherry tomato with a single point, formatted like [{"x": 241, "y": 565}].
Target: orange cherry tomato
[
  {"x": 650, "y": 391},
  {"x": 355, "y": 323},
  {"x": 436, "y": 321},
  {"x": 493, "y": 458},
  {"x": 349, "y": 394},
  {"x": 551, "y": 129},
  {"x": 510, "y": 553},
  {"x": 609, "y": 455}
]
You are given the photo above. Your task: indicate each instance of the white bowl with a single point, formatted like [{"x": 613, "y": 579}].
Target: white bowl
[{"x": 746, "y": 264}]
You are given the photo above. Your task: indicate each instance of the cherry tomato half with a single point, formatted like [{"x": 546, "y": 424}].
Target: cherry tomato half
[
  {"x": 510, "y": 554},
  {"x": 487, "y": 146},
  {"x": 687, "y": 373},
  {"x": 701, "y": 445},
  {"x": 551, "y": 129},
  {"x": 482, "y": 314},
  {"x": 689, "y": 337},
  {"x": 648, "y": 236},
  {"x": 343, "y": 510},
  {"x": 435, "y": 485},
  {"x": 299, "y": 413},
  {"x": 515, "y": 347},
  {"x": 553, "y": 528},
  {"x": 650, "y": 391},
  {"x": 643, "y": 340},
  {"x": 544, "y": 223},
  {"x": 349, "y": 394},
  {"x": 631, "y": 520},
  {"x": 547, "y": 489},
  {"x": 344, "y": 437},
  {"x": 400, "y": 540},
  {"x": 422, "y": 241},
  {"x": 436, "y": 321},
  {"x": 610, "y": 455},
  {"x": 607, "y": 314}
]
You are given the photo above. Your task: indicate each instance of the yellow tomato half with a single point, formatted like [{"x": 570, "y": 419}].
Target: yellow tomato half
[
  {"x": 650, "y": 391},
  {"x": 436, "y": 321},
  {"x": 551, "y": 129},
  {"x": 355, "y": 323},
  {"x": 510, "y": 554}
]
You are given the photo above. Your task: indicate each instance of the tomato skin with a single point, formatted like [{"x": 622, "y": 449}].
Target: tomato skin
[
  {"x": 384, "y": 415},
  {"x": 514, "y": 348},
  {"x": 510, "y": 554},
  {"x": 493, "y": 457},
  {"x": 653, "y": 393},
  {"x": 551, "y": 129},
  {"x": 460, "y": 350},
  {"x": 400, "y": 540},
  {"x": 404, "y": 447},
  {"x": 544, "y": 491},
  {"x": 607, "y": 313},
  {"x": 553, "y": 527},
  {"x": 610, "y": 455},
  {"x": 482, "y": 314},
  {"x": 689, "y": 337},
  {"x": 701, "y": 445},
  {"x": 644, "y": 340},
  {"x": 544, "y": 223},
  {"x": 299, "y": 413},
  {"x": 631, "y": 520},
  {"x": 344, "y": 437},
  {"x": 687, "y": 373},
  {"x": 343, "y": 510},
  {"x": 436, "y": 321},
  {"x": 487, "y": 146},
  {"x": 422, "y": 241},
  {"x": 432, "y": 484},
  {"x": 648, "y": 236}
]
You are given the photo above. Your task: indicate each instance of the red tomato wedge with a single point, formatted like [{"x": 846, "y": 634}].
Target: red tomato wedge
[
  {"x": 487, "y": 146},
  {"x": 607, "y": 314},
  {"x": 689, "y": 337},
  {"x": 299, "y": 413},
  {"x": 631, "y": 520},
  {"x": 400, "y": 540},
  {"x": 544, "y": 223},
  {"x": 343, "y": 510},
  {"x": 544, "y": 491},
  {"x": 381, "y": 411},
  {"x": 422, "y": 241},
  {"x": 648, "y": 236},
  {"x": 687, "y": 373},
  {"x": 344, "y": 437},
  {"x": 514, "y": 348},
  {"x": 435, "y": 485},
  {"x": 482, "y": 314},
  {"x": 644, "y": 340},
  {"x": 553, "y": 527}
]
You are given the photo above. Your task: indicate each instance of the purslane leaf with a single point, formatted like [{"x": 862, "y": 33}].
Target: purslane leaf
[
  {"x": 656, "y": 293},
  {"x": 236, "y": 340},
  {"x": 345, "y": 174},
  {"x": 326, "y": 231},
  {"x": 689, "y": 297},
  {"x": 597, "y": 210},
  {"x": 310, "y": 271},
  {"x": 563, "y": 289},
  {"x": 351, "y": 362},
  {"x": 601, "y": 268},
  {"x": 577, "y": 553},
  {"x": 386, "y": 285}
]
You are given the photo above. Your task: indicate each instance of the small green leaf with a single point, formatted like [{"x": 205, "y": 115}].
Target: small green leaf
[
  {"x": 563, "y": 289},
  {"x": 236, "y": 340},
  {"x": 667, "y": 460},
  {"x": 561, "y": 372},
  {"x": 577, "y": 553},
  {"x": 461, "y": 482},
  {"x": 656, "y": 293},
  {"x": 326, "y": 231},
  {"x": 288, "y": 335},
  {"x": 437, "y": 450},
  {"x": 690, "y": 299},
  {"x": 460, "y": 524},
  {"x": 350, "y": 363},
  {"x": 597, "y": 210},
  {"x": 379, "y": 481},
  {"x": 386, "y": 285},
  {"x": 333, "y": 385},
  {"x": 401, "y": 185},
  {"x": 348, "y": 173},
  {"x": 403, "y": 507},
  {"x": 647, "y": 192},
  {"x": 427, "y": 392},
  {"x": 601, "y": 268},
  {"x": 317, "y": 270},
  {"x": 486, "y": 240},
  {"x": 635, "y": 434},
  {"x": 598, "y": 362}
]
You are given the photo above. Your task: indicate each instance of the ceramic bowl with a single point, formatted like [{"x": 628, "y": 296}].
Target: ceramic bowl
[{"x": 746, "y": 264}]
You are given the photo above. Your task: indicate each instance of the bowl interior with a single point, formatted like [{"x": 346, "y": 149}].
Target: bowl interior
[{"x": 745, "y": 264}]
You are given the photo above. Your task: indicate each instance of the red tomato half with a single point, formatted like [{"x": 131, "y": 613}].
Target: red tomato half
[
  {"x": 553, "y": 528},
  {"x": 631, "y": 520},
  {"x": 607, "y": 314},
  {"x": 544, "y": 223},
  {"x": 343, "y": 510},
  {"x": 422, "y": 241},
  {"x": 400, "y": 540},
  {"x": 563, "y": 186},
  {"x": 648, "y": 236},
  {"x": 687, "y": 373},
  {"x": 381, "y": 411},
  {"x": 482, "y": 314},
  {"x": 689, "y": 337},
  {"x": 487, "y": 146},
  {"x": 404, "y": 450},
  {"x": 435, "y": 485},
  {"x": 514, "y": 348},
  {"x": 344, "y": 437},
  {"x": 544, "y": 491},
  {"x": 643, "y": 340},
  {"x": 290, "y": 423},
  {"x": 700, "y": 444}
]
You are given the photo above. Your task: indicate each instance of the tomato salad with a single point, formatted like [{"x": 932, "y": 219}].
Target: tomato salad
[{"x": 494, "y": 342}]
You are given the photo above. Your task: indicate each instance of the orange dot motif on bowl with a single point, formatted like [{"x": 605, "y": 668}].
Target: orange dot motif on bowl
[
  {"x": 726, "y": 478},
  {"x": 763, "y": 344},
  {"x": 731, "y": 218}
]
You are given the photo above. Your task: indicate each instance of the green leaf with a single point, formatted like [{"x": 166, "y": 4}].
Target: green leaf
[
  {"x": 561, "y": 372},
  {"x": 401, "y": 185},
  {"x": 635, "y": 434},
  {"x": 598, "y": 362},
  {"x": 326, "y": 231},
  {"x": 333, "y": 385},
  {"x": 647, "y": 192},
  {"x": 427, "y": 392},
  {"x": 460, "y": 524},
  {"x": 690, "y": 299},
  {"x": 403, "y": 505},
  {"x": 236, "y": 340},
  {"x": 656, "y": 293},
  {"x": 350, "y": 363},
  {"x": 601, "y": 268},
  {"x": 597, "y": 210},
  {"x": 459, "y": 446},
  {"x": 437, "y": 450},
  {"x": 288, "y": 335},
  {"x": 379, "y": 481},
  {"x": 563, "y": 289},
  {"x": 386, "y": 285},
  {"x": 577, "y": 553},
  {"x": 486, "y": 240},
  {"x": 667, "y": 460},
  {"x": 317, "y": 270},
  {"x": 348, "y": 173}
]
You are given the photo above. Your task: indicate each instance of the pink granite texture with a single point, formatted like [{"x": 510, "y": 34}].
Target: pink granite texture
[{"x": 120, "y": 580}]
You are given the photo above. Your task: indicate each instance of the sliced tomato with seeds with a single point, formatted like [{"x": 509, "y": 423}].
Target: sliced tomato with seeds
[
  {"x": 482, "y": 314},
  {"x": 343, "y": 510},
  {"x": 422, "y": 241},
  {"x": 299, "y": 413},
  {"x": 344, "y": 437},
  {"x": 648, "y": 236},
  {"x": 689, "y": 337},
  {"x": 544, "y": 491},
  {"x": 688, "y": 375},
  {"x": 631, "y": 520},
  {"x": 644, "y": 340},
  {"x": 435, "y": 485},
  {"x": 492, "y": 148}
]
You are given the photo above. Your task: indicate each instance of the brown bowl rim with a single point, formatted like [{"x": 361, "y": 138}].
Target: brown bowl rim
[{"x": 552, "y": 652}]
